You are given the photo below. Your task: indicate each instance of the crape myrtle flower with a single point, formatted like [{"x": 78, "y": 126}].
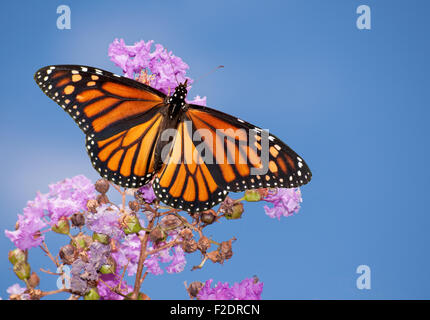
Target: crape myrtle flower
[
  {"x": 63, "y": 200},
  {"x": 106, "y": 220},
  {"x": 286, "y": 202},
  {"x": 127, "y": 254},
  {"x": 247, "y": 289},
  {"x": 147, "y": 193},
  {"x": 28, "y": 233},
  {"x": 107, "y": 281},
  {"x": 165, "y": 69}
]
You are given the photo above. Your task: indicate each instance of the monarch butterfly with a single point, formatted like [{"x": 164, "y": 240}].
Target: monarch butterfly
[{"x": 124, "y": 121}]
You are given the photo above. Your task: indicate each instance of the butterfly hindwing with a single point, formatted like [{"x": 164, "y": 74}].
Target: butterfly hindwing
[
  {"x": 187, "y": 182},
  {"x": 128, "y": 157}
]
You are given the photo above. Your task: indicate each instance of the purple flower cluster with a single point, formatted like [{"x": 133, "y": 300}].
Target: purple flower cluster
[
  {"x": 63, "y": 199},
  {"x": 247, "y": 289},
  {"x": 106, "y": 221},
  {"x": 163, "y": 67},
  {"x": 83, "y": 272},
  {"x": 285, "y": 201},
  {"x": 129, "y": 251},
  {"x": 147, "y": 193},
  {"x": 111, "y": 280}
]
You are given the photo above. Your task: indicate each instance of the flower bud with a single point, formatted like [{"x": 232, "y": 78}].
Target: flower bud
[
  {"x": 208, "y": 217},
  {"x": 157, "y": 235},
  {"x": 100, "y": 237},
  {"x": 131, "y": 224},
  {"x": 22, "y": 270},
  {"x": 107, "y": 269},
  {"x": 92, "y": 294},
  {"x": 235, "y": 212},
  {"x": 252, "y": 195},
  {"x": 34, "y": 280},
  {"x": 68, "y": 254},
  {"x": 134, "y": 206},
  {"x": 78, "y": 219},
  {"x": 93, "y": 204},
  {"x": 17, "y": 255},
  {"x": 102, "y": 186},
  {"x": 193, "y": 288},
  {"x": 204, "y": 244},
  {"x": 82, "y": 241},
  {"x": 62, "y": 227}
]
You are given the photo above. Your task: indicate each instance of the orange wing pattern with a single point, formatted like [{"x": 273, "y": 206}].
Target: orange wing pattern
[
  {"x": 99, "y": 101},
  {"x": 192, "y": 183},
  {"x": 127, "y": 158},
  {"x": 240, "y": 166},
  {"x": 120, "y": 117},
  {"x": 186, "y": 181}
]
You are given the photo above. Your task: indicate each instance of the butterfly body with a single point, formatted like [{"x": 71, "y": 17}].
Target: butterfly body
[{"x": 194, "y": 155}]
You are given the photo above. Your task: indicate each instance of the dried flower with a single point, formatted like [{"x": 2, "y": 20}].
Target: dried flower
[
  {"x": 193, "y": 288},
  {"x": 204, "y": 244},
  {"x": 78, "y": 219},
  {"x": 68, "y": 254}
]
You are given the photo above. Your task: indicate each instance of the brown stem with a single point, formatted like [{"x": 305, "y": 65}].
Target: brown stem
[
  {"x": 47, "y": 293},
  {"x": 142, "y": 257},
  {"x": 167, "y": 245},
  {"x": 48, "y": 253},
  {"x": 49, "y": 272}
]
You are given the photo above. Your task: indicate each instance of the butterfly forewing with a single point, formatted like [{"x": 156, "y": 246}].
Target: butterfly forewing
[
  {"x": 120, "y": 117},
  {"x": 99, "y": 101}
]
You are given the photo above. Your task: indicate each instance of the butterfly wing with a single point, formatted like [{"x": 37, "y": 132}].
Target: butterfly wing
[
  {"x": 186, "y": 182},
  {"x": 121, "y": 118},
  {"x": 247, "y": 156},
  {"x": 211, "y": 156}
]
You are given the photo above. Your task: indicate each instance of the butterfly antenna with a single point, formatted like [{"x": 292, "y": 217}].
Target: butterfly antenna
[
  {"x": 171, "y": 64},
  {"x": 205, "y": 75}
]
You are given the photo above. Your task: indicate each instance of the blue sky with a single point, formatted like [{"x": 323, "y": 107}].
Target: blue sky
[{"x": 354, "y": 103}]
